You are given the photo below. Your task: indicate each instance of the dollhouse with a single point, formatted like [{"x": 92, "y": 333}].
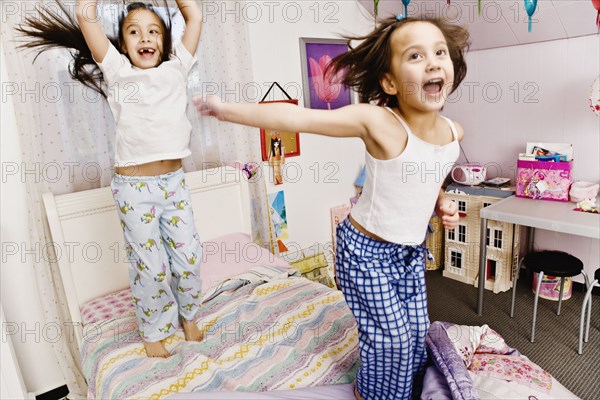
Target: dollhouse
[{"x": 461, "y": 248}]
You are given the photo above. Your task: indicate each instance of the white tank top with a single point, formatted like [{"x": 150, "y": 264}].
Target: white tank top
[{"x": 399, "y": 195}]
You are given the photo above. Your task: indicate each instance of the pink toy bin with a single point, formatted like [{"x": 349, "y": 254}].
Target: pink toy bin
[{"x": 550, "y": 288}]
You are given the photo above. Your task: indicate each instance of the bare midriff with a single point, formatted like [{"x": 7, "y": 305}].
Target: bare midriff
[
  {"x": 153, "y": 168},
  {"x": 362, "y": 230}
]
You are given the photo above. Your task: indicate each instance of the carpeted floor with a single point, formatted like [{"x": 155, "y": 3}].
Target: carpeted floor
[{"x": 556, "y": 337}]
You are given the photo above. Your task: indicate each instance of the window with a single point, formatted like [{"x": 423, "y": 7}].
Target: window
[
  {"x": 456, "y": 259},
  {"x": 462, "y": 233},
  {"x": 497, "y": 234},
  {"x": 486, "y": 205},
  {"x": 452, "y": 234},
  {"x": 498, "y": 239},
  {"x": 462, "y": 206}
]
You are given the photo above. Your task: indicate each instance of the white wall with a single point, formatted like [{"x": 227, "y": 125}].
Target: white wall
[
  {"x": 323, "y": 175},
  {"x": 23, "y": 315},
  {"x": 528, "y": 93}
]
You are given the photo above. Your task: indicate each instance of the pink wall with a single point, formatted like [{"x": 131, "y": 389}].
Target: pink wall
[{"x": 528, "y": 93}]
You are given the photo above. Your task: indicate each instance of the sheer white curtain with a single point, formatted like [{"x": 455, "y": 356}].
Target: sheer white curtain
[{"x": 67, "y": 133}]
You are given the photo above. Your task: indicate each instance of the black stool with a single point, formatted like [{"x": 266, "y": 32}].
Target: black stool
[
  {"x": 548, "y": 262},
  {"x": 587, "y": 303}
]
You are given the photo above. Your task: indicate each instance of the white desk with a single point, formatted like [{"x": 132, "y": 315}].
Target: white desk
[{"x": 550, "y": 215}]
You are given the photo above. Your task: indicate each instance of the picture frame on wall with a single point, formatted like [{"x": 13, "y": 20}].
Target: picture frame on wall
[
  {"x": 289, "y": 141},
  {"x": 319, "y": 92}
]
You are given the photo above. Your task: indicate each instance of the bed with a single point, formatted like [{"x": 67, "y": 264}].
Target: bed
[
  {"x": 266, "y": 328},
  {"x": 268, "y": 332}
]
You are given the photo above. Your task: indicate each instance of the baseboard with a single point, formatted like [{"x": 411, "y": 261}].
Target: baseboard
[{"x": 58, "y": 393}]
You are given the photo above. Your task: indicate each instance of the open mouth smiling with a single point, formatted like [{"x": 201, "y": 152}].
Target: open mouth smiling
[
  {"x": 146, "y": 52},
  {"x": 433, "y": 86}
]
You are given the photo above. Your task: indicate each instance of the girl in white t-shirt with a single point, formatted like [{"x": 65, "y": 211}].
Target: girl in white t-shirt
[{"x": 146, "y": 84}]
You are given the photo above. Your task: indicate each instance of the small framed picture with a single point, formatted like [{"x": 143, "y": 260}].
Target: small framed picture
[
  {"x": 320, "y": 90},
  {"x": 277, "y": 144}
]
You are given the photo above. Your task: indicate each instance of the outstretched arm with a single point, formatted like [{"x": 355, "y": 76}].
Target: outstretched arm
[
  {"x": 193, "y": 24},
  {"x": 91, "y": 28},
  {"x": 349, "y": 121}
]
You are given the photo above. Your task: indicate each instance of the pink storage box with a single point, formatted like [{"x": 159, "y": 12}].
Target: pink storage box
[
  {"x": 550, "y": 287},
  {"x": 544, "y": 180}
]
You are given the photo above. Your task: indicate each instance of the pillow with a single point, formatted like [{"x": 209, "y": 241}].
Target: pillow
[
  {"x": 232, "y": 254},
  {"x": 107, "y": 307}
]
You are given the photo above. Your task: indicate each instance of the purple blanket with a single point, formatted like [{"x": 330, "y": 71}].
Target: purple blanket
[
  {"x": 448, "y": 378},
  {"x": 473, "y": 361}
]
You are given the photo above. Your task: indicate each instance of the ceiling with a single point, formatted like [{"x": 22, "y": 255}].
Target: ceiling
[{"x": 503, "y": 22}]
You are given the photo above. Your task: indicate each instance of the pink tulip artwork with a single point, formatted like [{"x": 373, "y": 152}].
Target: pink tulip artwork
[
  {"x": 326, "y": 86},
  {"x": 323, "y": 89}
]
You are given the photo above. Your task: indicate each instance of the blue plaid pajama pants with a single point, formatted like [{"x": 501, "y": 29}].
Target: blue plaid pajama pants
[
  {"x": 163, "y": 249},
  {"x": 384, "y": 286}
]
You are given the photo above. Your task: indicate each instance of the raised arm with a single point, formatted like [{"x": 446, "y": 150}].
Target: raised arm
[
  {"x": 91, "y": 28},
  {"x": 193, "y": 24},
  {"x": 349, "y": 121}
]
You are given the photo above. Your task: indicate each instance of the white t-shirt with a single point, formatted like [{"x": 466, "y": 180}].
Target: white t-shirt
[{"x": 149, "y": 107}]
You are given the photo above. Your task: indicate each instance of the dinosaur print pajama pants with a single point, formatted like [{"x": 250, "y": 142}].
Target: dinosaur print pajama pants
[{"x": 163, "y": 249}]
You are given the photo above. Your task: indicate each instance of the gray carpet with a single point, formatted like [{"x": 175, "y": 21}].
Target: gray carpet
[{"x": 556, "y": 337}]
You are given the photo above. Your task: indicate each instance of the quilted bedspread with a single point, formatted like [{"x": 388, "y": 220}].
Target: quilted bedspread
[{"x": 266, "y": 329}]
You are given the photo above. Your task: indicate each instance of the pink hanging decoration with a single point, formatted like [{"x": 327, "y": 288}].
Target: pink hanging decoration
[{"x": 596, "y": 4}]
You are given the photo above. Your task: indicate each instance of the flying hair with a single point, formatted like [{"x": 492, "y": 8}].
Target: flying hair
[
  {"x": 365, "y": 65},
  {"x": 54, "y": 29}
]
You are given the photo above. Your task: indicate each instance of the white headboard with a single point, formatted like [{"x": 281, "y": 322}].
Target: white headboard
[{"x": 89, "y": 244}]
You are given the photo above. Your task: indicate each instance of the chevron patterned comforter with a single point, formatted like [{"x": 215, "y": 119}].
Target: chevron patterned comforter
[{"x": 264, "y": 330}]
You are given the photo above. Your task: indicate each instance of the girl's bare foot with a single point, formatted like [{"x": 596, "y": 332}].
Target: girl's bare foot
[
  {"x": 191, "y": 331},
  {"x": 357, "y": 395},
  {"x": 156, "y": 349}
]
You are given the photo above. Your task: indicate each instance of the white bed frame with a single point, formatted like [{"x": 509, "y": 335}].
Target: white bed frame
[{"x": 88, "y": 239}]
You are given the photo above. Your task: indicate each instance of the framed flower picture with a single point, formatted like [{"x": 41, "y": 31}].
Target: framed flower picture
[{"x": 321, "y": 90}]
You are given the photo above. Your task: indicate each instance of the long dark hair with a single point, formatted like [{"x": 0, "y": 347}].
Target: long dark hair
[
  {"x": 368, "y": 62},
  {"x": 51, "y": 29},
  {"x": 276, "y": 139}
]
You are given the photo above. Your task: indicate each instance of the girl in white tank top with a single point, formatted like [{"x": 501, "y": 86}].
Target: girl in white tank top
[{"x": 410, "y": 65}]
